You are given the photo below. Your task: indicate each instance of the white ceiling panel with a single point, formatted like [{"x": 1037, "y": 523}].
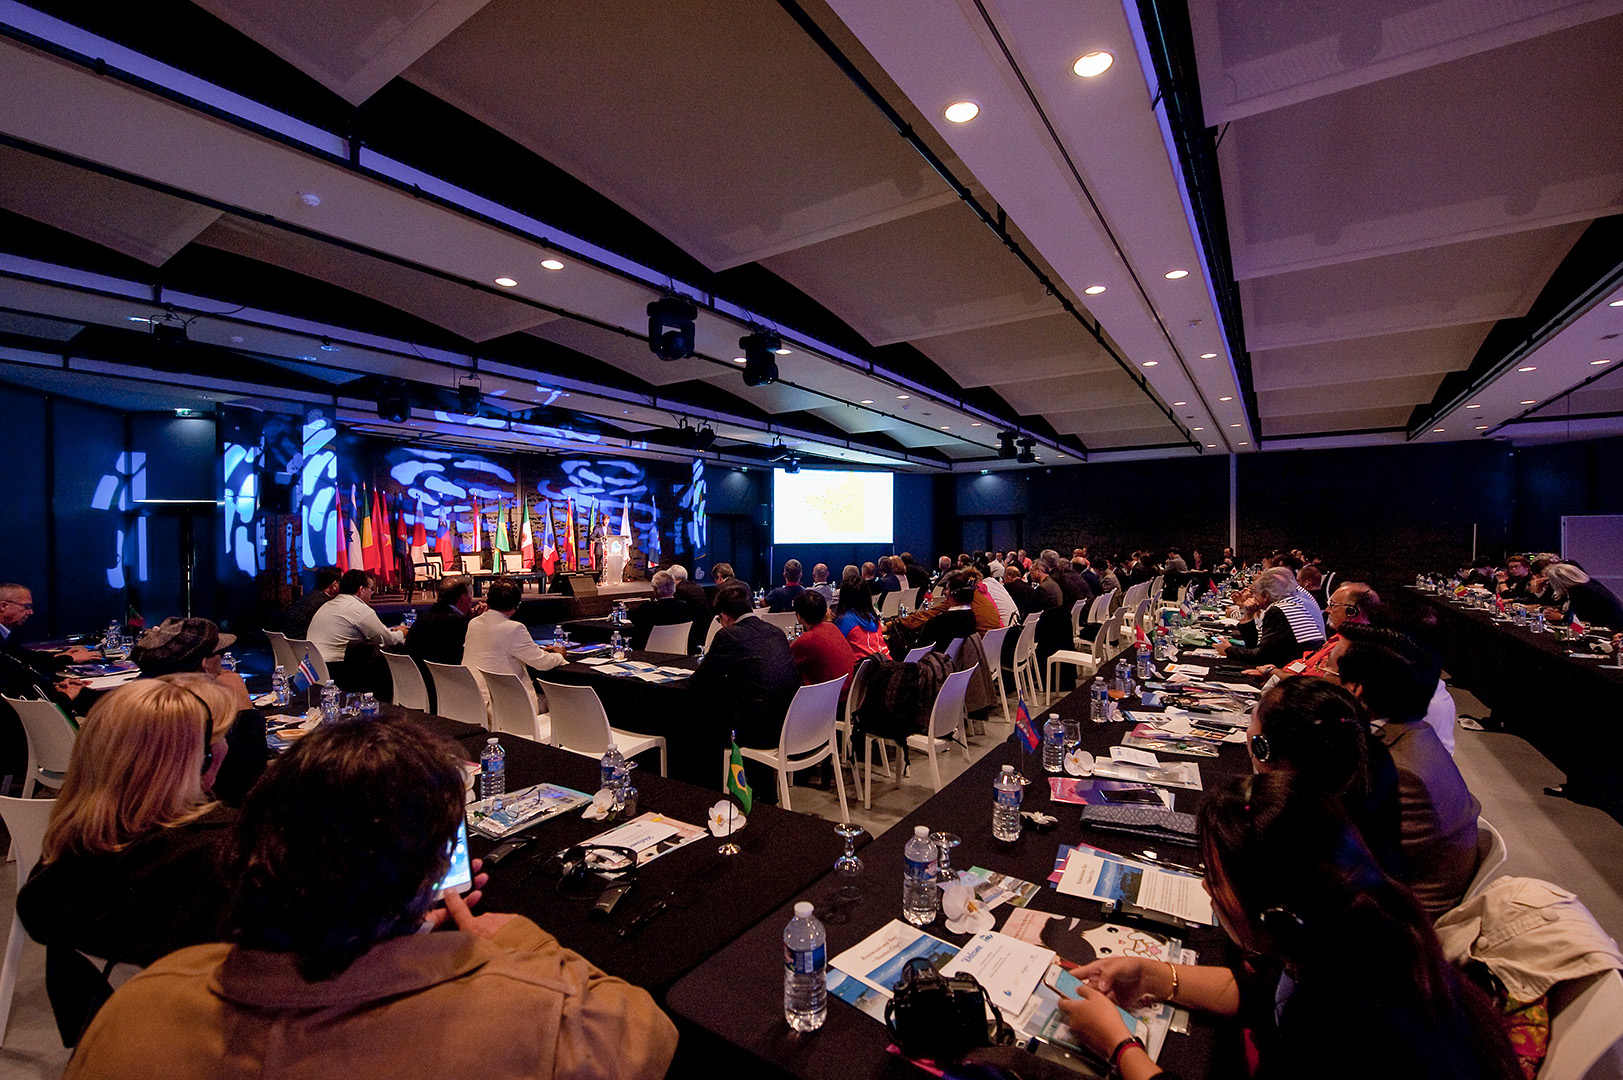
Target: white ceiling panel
[
  {"x": 1039, "y": 348},
  {"x": 1393, "y": 416},
  {"x": 629, "y": 354},
  {"x": 1355, "y": 359},
  {"x": 1348, "y": 397}
]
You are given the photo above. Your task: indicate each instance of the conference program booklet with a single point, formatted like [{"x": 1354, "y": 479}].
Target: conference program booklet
[
  {"x": 650, "y": 835},
  {"x": 523, "y": 808},
  {"x": 866, "y": 974}
]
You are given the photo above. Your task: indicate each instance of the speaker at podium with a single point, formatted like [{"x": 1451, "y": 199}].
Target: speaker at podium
[{"x": 615, "y": 551}]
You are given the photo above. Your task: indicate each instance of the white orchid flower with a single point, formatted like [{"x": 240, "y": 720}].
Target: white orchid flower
[
  {"x": 963, "y": 909},
  {"x": 725, "y": 819}
]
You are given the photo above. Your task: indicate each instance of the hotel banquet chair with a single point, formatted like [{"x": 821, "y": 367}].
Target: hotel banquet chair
[
  {"x": 25, "y": 820},
  {"x": 510, "y": 709},
  {"x": 710, "y": 635},
  {"x": 954, "y": 647},
  {"x": 844, "y": 725},
  {"x": 512, "y": 562},
  {"x": 580, "y": 725},
  {"x": 669, "y": 639},
  {"x": 946, "y": 721},
  {"x": 1586, "y": 1029},
  {"x": 1086, "y": 663},
  {"x": 50, "y": 743},
  {"x": 1027, "y": 673},
  {"x": 282, "y": 654},
  {"x": 1077, "y": 619},
  {"x": 992, "y": 646},
  {"x": 891, "y": 605},
  {"x": 1492, "y": 851},
  {"x": 410, "y": 691},
  {"x": 915, "y": 655},
  {"x": 306, "y": 650},
  {"x": 456, "y": 694},
  {"x": 808, "y": 738},
  {"x": 783, "y": 620}
]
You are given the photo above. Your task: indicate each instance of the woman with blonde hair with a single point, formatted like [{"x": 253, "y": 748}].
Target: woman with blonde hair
[{"x": 129, "y": 867}]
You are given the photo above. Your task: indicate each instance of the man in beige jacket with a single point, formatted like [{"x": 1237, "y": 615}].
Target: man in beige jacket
[{"x": 337, "y": 853}]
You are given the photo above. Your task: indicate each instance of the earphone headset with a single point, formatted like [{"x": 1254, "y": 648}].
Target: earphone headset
[{"x": 208, "y": 728}]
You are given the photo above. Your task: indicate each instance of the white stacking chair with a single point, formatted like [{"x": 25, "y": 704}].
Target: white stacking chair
[
  {"x": 992, "y": 646},
  {"x": 51, "y": 736},
  {"x": 783, "y": 620},
  {"x": 808, "y": 738},
  {"x": 25, "y": 821},
  {"x": 954, "y": 647},
  {"x": 410, "y": 691},
  {"x": 1329, "y": 585},
  {"x": 306, "y": 650},
  {"x": 510, "y": 710},
  {"x": 1077, "y": 618},
  {"x": 1027, "y": 674},
  {"x": 457, "y": 695},
  {"x": 669, "y": 639},
  {"x": 946, "y": 720},
  {"x": 282, "y": 654},
  {"x": 1586, "y": 1029},
  {"x": 891, "y": 605},
  {"x": 580, "y": 725},
  {"x": 710, "y": 634},
  {"x": 846, "y": 726},
  {"x": 1086, "y": 663},
  {"x": 1142, "y": 615},
  {"x": 915, "y": 655},
  {"x": 1492, "y": 851}
]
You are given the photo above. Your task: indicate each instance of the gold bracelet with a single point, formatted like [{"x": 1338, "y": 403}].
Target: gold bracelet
[{"x": 1174, "y": 991}]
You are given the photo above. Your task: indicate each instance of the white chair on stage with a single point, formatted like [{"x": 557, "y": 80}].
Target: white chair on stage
[
  {"x": 25, "y": 820},
  {"x": 580, "y": 725},
  {"x": 946, "y": 721},
  {"x": 808, "y": 738},
  {"x": 410, "y": 691},
  {"x": 457, "y": 695},
  {"x": 51, "y": 736},
  {"x": 510, "y": 710},
  {"x": 669, "y": 639}
]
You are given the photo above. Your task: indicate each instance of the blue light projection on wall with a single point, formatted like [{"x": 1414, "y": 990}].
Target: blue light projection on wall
[
  {"x": 318, "y": 487},
  {"x": 698, "y": 524},
  {"x": 120, "y": 490},
  {"x": 241, "y": 506}
]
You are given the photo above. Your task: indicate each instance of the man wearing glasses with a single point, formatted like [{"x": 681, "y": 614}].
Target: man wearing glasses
[{"x": 16, "y": 605}]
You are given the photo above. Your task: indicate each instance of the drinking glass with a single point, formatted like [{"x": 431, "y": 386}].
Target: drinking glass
[
  {"x": 848, "y": 866},
  {"x": 944, "y": 843}
]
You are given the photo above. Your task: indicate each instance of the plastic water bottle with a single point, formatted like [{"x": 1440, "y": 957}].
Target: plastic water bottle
[
  {"x": 612, "y": 770},
  {"x": 1099, "y": 701},
  {"x": 805, "y": 967},
  {"x": 369, "y": 706},
  {"x": 1006, "y": 795},
  {"x": 1146, "y": 665},
  {"x": 329, "y": 702},
  {"x": 1538, "y": 621},
  {"x": 228, "y": 662},
  {"x": 920, "y": 896},
  {"x": 493, "y": 775},
  {"x": 619, "y": 646},
  {"x": 1053, "y": 744},
  {"x": 279, "y": 686}
]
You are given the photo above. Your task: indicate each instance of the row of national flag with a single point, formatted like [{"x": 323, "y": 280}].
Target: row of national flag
[{"x": 367, "y": 541}]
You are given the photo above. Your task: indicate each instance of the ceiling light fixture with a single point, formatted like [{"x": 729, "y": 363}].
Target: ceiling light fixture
[
  {"x": 1197, "y": 429},
  {"x": 1211, "y": 444},
  {"x": 962, "y": 112},
  {"x": 1474, "y": 405},
  {"x": 672, "y": 329},
  {"x": 1208, "y": 356},
  {"x": 1094, "y": 290},
  {"x": 1615, "y": 303},
  {"x": 1527, "y": 368},
  {"x": 1242, "y": 442},
  {"x": 866, "y": 401},
  {"x": 1028, "y": 452},
  {"x": 1151, "y": 363},
  {"x": 1597, "y": 363},
  {"x": 738, "y": 359},
  {"x": 1482, "y": 427},
  {"x": 760, "y": 367},
  {"x": 1005, "y": 444},
  {"x": 1234, "y": 425},
  {"x": 902, "y": 397},
  {"x": 138, "y": 318},
  {"x": 1225, "y": 399},
  {"x": 1180, "y": 403},
  {"x": 551, "y": 264},
  {"x": 1089, "y": 65},
  {"x": 328, "y": 346},
  {"x": 1530, "y": 401},
  {"x": 506, "y": 282},
  {"x": 1174, "y": 275},
  {"x": 1438, "y": 429},
  {"x": 946, "y": 427},
  {"x": 977, "y": 423}
]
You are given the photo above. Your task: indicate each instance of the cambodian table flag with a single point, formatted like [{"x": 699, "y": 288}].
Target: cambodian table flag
[
  {"x": 738, "y": 785},
  {"x": 1029, "y": 739}
]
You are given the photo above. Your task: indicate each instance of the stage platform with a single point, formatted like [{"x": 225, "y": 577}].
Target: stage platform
[{"x": 537, "y": 608}]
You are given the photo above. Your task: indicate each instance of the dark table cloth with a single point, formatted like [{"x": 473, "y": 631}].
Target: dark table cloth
[
  {"x": 666, "y": 709},
  {"x": 1570, "y": 709},
  {"x": 731, "y": 1007}
]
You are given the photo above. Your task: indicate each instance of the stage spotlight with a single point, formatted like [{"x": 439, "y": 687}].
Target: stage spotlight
[
  {"x": 1028, "y": 455},
  {"x": 760, "y": 357},
  {"x": 1005, "y": 445},
  {"x": 670, "y": 328},
  {"x": 394, "y": 407},
  {"x": 469, "y": 392},
  {"x": 704, "y": 438},
  {"x": 792, "y": 465}
]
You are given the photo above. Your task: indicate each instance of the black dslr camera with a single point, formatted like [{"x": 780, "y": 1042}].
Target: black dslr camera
[{"x": 942, "y": 1017}]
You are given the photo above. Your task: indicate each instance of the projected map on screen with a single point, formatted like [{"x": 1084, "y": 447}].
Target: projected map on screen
[{"x": 812, "y": 507}]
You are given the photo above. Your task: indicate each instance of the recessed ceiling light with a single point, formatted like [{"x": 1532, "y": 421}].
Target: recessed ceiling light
[
  {"x": 944, "y": 427},
  {"x": 1530, "y": 401},
  {"x": 1180, "y": 403},
  {"x": 902, "y": 397},
  {"x": 962, "y": 112},
  {"x": 138, "y": 318},
  {"x": 1528, "y": 368},
  {"x": 1174, "y": 275},
  {"x": 1211, "y": 444},
  {"x": 1198, "y": 429},
  {"x": 1615, "y": 303},
  {"x": 1474, "y": 405},
  {"x": 506, "y": 282},
  {"x": 1151, "y": 363},
  {"x": 1242, "y": 443},
  {"x": 1094, "y": 63},
  {"x": 1482, "y": 427},
  {"x": 551, "y": 264},
  {"x": 739, "y": 360},
  {"x": 1094, "y": 290},
  {"x": 1225, "y": 399},
  {"x": 976, "y": 424},
  {"x": 1234, "y": 425},
  {"x": 866, "y": 401},
  {"x": 1437, "y": 429},
  {"x": 1208, "y": 356},
  {"x": 1597, "y": 363}
]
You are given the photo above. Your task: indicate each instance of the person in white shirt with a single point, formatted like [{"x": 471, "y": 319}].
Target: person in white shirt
[
  {"x": 499, "y": 644},
  {"x": 348, "y": 617},
  {"x": 993, "y": 584}
]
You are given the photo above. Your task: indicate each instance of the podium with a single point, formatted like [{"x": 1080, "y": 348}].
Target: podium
[{"x": 615, "y": 550}]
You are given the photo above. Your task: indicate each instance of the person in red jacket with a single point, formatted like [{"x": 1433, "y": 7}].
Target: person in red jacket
[{"x": 821, "y": 651}]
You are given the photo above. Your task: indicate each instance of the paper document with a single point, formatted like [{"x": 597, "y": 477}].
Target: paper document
[
  {"x": 878, "y": 959},
  {"x": 650, "y": 835},
  {"x": 594, "y": 661},
  {"x": 1101, "y": 875},
  {"x": 1134, "y": 757},
  {"x": 1007, "y": 967},
  {"x": 523, "y": 808},
  {"x": 1178, "y": 774}
]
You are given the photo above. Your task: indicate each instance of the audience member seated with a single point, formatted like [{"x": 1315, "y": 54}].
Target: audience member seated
[
  {"x": 692, "y": 594},
  {"x": 871, "y": 582},
  {"x": 992, "y": 585},
  {"x": 891, "y": 573},
  {"x": 952, "y": 620},
  {"x": 16, "y": 605},
  {"x": 1395, "y": 678},
  {"x": 943, "y": 567},
  {"x": 498, "y": 643},
  {"x": 917, "y": 576},
  {"x": 296, "y": 622},
  {"x": 1082, "y": 566},
  {"x": 1175, "y": 563},
  {"x": 1354, "y": 603},
  {"x": 346, "y": 619},
  {"x": 194, "y": 646},
  {"x": 1019, "y": 589},
  {"x": 663, "y": 610},
  {"x": 1580, "y": 597},
  {"x": 334, "y": 864},
  {"x": 129, "y": 868},
  {"x": 820, "y": 583},
  {"x": 1316, "y": 728},
  {"x": 857, "y": 621},
  {"x": 1108, "y": 581},
  {"x": 821, "y": 651},
  {"x": 1514, "y": 583},
  {"x": 1291, "y": 621},
  {"x": 1048, "y": 595},
  {"x": 1072, "y": 587},
  {"x": 1346, "y": 978},
  {"x": 438, "y": 637},
  {"x": 722, "y": 573},
  {"x": 782, "y": 599},
  {"x": 1480, "y": 572},
  {"x": 1311, "y": 579},
  {"x": 748, "y": 676}
]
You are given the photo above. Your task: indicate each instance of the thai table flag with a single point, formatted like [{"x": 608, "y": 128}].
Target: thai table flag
[
  {"x": 571, "y": 545},
  {"x": 1026, "y": 729},
  {"x": 738, "y": 785},
  {"x": 447, "y": 544}
]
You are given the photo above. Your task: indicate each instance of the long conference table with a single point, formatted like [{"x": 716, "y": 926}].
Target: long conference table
[{"x": 1569, "y": 708}]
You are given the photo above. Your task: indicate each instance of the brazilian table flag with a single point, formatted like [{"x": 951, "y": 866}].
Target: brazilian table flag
[{"x": 738, "y": 785}]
